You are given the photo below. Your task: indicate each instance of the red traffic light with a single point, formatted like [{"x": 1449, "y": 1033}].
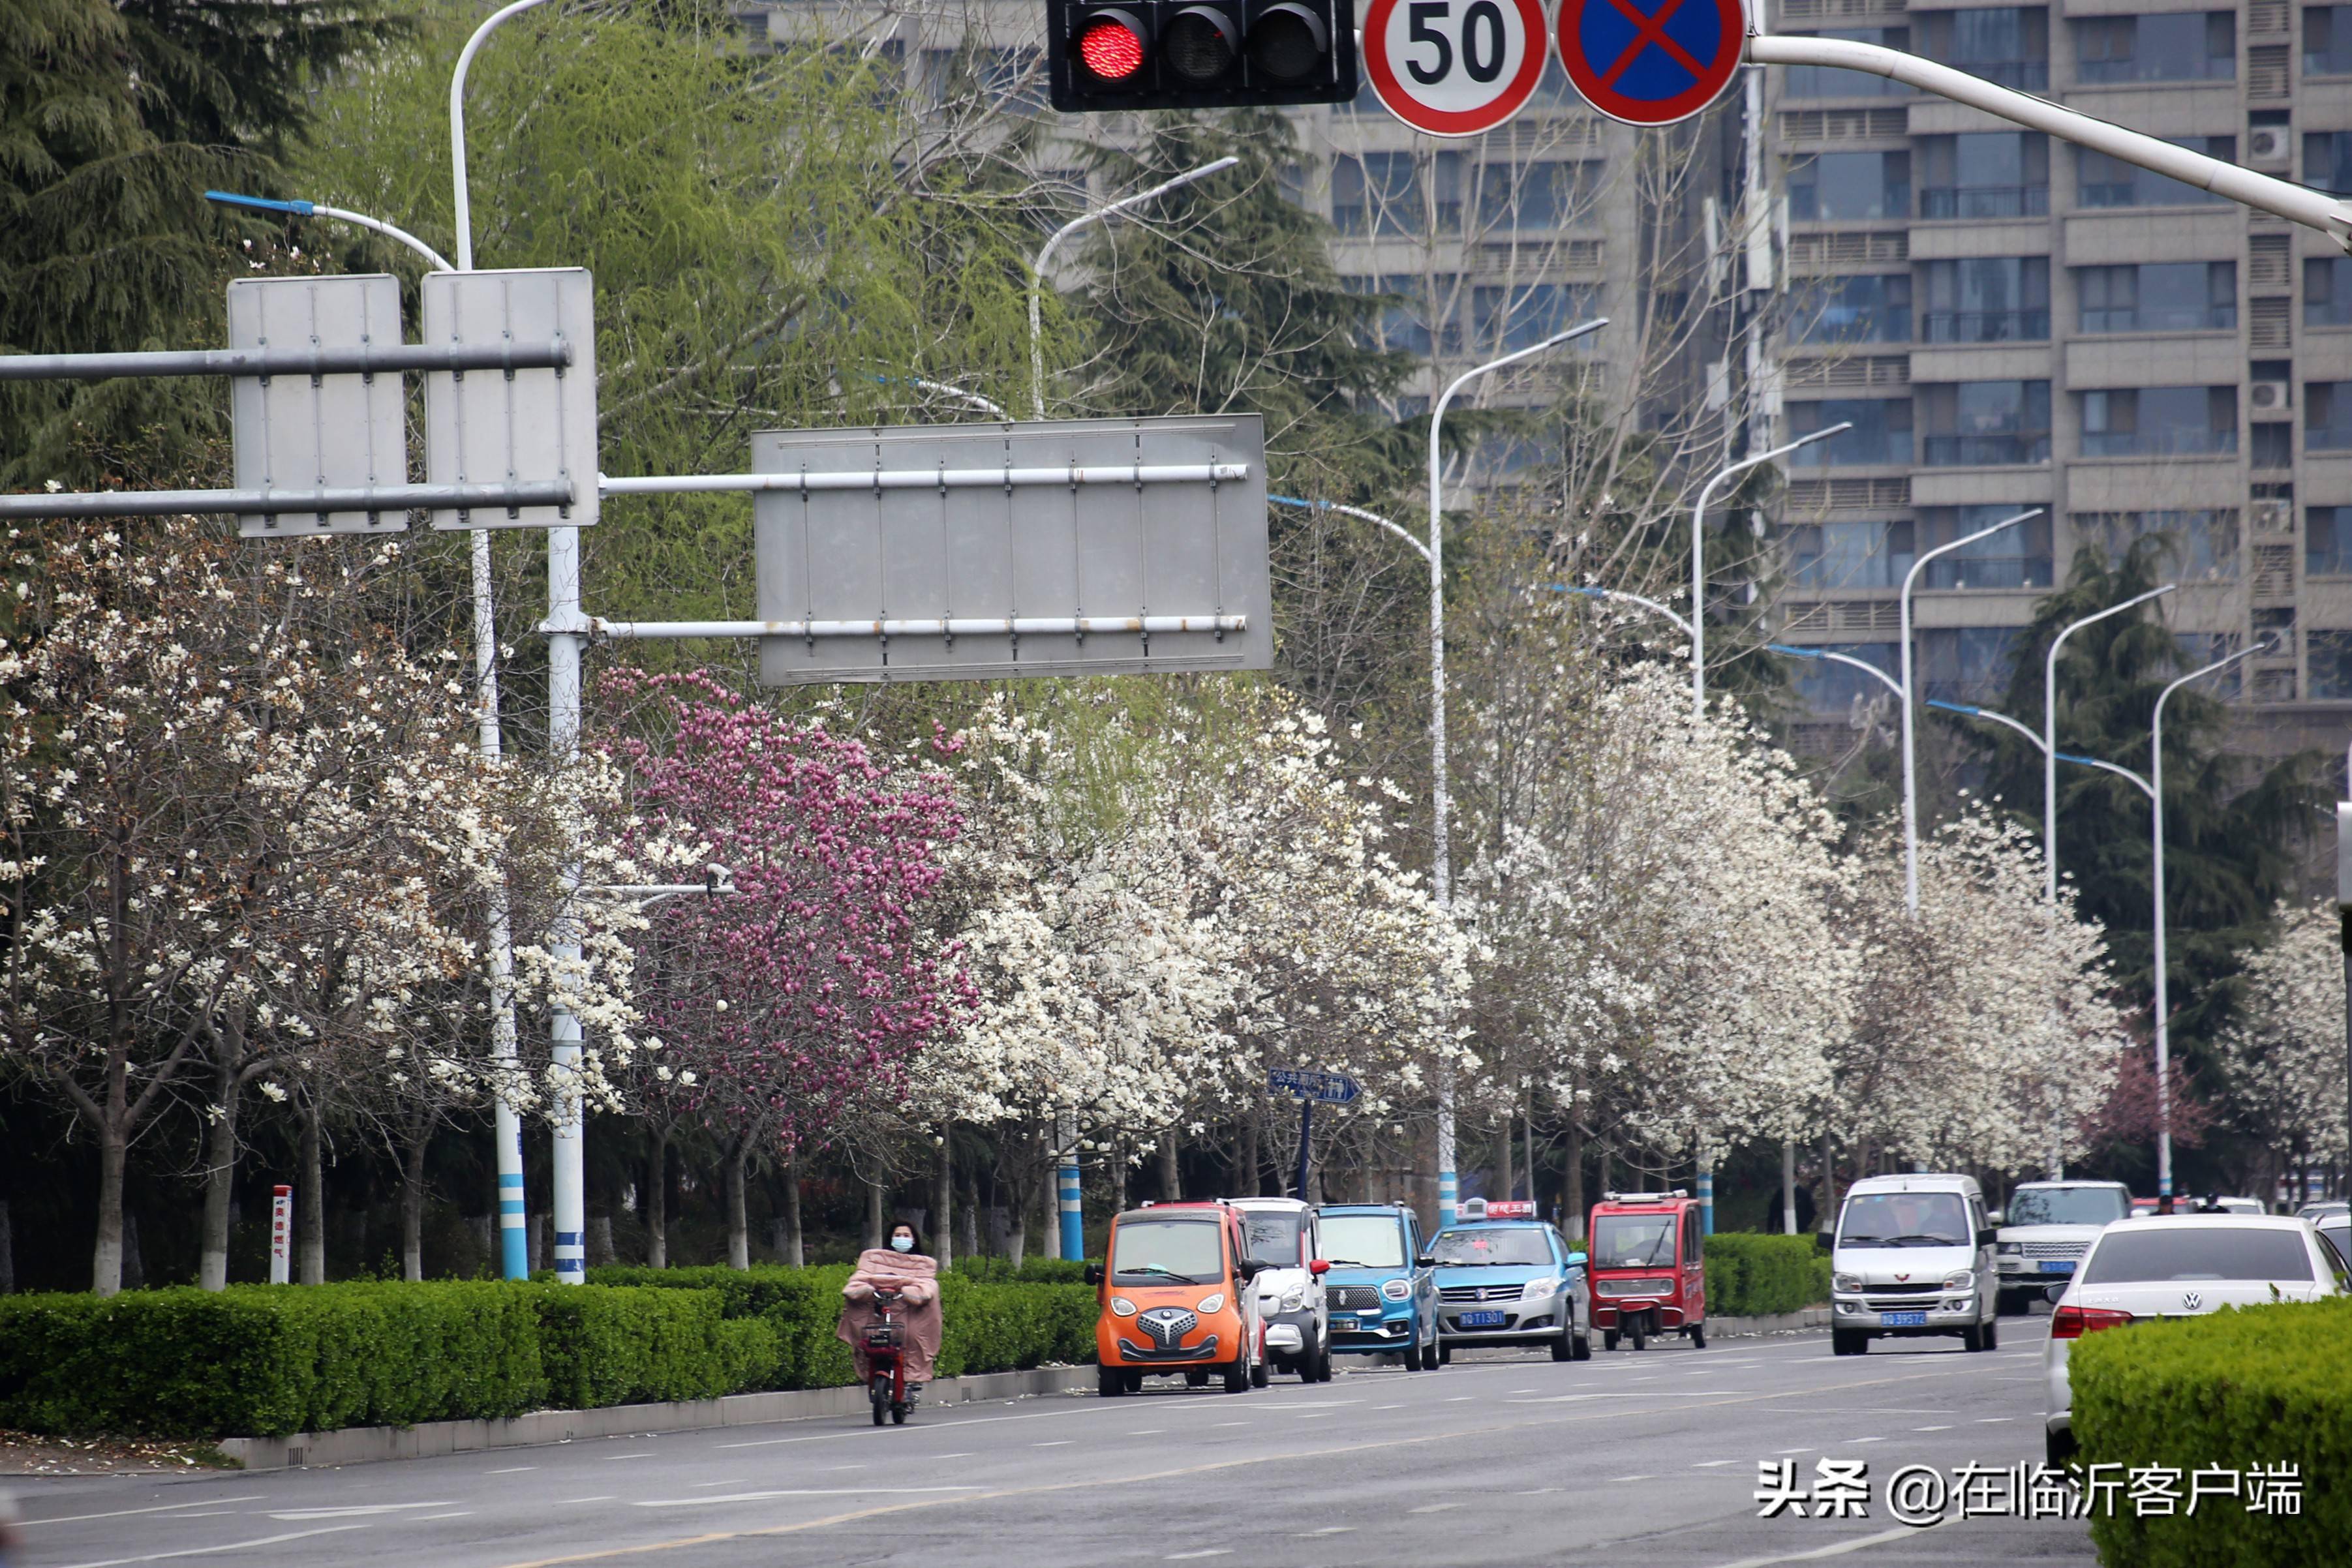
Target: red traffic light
[{"x": 1110, "y": 46}]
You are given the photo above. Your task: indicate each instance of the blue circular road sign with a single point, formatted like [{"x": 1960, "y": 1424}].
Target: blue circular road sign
[{"x": 1651, "y": 62}]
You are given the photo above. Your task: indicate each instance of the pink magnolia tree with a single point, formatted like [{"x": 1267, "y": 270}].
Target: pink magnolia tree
[{"x": 784, "y": 1007}]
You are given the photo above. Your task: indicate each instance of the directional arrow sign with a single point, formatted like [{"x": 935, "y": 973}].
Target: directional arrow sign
[
  {"x": 1455, "y": 67},
  {"x": 1329, "y": 1088},
  {"x": 1651, "y": 62}
]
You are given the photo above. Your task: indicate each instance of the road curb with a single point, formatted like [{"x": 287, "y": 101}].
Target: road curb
[
  {"x": 429, "y": 1439},
  {"x": 1778, "y": 1323}
]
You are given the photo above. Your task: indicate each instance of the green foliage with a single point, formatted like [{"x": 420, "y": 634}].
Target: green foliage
[
  {"x": 1033, "y": 1270},
  {"x": 635, "y": 1346},
  {"x": 2267, "y": 1385},
  {"x": 1754, "y": 1276}
]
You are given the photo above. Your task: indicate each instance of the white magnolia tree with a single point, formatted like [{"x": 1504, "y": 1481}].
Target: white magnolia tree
[{"x": 2283, "y": 1060}]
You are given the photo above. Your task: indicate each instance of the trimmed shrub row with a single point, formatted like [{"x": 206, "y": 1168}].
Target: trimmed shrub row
[
  {"x": 1753, "y": 1276},
  {"x": 2261, "y": 1386}
]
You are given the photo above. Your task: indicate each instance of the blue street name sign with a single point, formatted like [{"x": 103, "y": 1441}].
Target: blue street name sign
[{"x": 1331, "y": 1088}]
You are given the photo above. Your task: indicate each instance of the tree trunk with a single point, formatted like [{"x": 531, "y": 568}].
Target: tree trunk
[
  {"x": 1171, "y": 1183},
  {"x": 600, "y": 1241},
  {"x": 739, "y": 1223},
  {"x": 874, "y": 1197},
  {"x": 1503, "y": 1164},
  {"x": 1573, "y": 1197},
  {"x": 971, "y": 1213},
  {"x": 106, "y": 1257},
  {"x": 1528, "y": 1127},
  {"x": 793, "y": 1257},
  {"x": 7, "y": 1253},
  {"x": 134, "y": 1266},
  {"x": 310, "y": 1202},
  {"x": 653, "y": 1200},
  {"x": 1825, "y": 1211},
  {"x": 220, "y": 1181},
  {"x": 1247, "y": 1174},
  {"x": 943, "y": 1200},
  {"x": 412, "y": 1197}
]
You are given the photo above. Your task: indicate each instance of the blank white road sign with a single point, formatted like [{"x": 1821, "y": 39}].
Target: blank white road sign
[
  {"x": 317, "y": 432},
  {"x": 1059, "y": 548},
  {"x": 1455, "y": 67},
  {"x": 495, "y": 427}
]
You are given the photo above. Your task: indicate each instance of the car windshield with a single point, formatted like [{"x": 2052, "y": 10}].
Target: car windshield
[
  {"x": 2067, "y": 1205},
  {"x": 1273, "y": 1236},
  {"x": 1633, "y": 1240},
  {"x": 1485, "y": 1248},
  {"x": 1363, "y": 1241},
  {"x": 1166, "y": 1252},
  {"x": 1904, "y": 1219},
  {"x": 2159, "y": 1253}
]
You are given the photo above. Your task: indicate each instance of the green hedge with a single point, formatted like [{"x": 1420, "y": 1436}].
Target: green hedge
[
  {"x": 638, "y": 1347},
  {"x": 1033, "y": 1270},
  {"x": 1753, "y": 1276},
  {"x": 2264, "y": 1386}
]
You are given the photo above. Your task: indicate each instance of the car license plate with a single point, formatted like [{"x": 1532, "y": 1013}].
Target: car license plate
[
  {"x": 1481, "y": 1320},
  {"x": 2057, "y": 1265},
  {"x": 1343, "y": 1325},
  {"x": 1903, "y": 1320}
]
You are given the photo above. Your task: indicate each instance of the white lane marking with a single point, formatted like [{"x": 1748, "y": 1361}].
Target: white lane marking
[
  {"x": 1901, "y": 1532},
  {"x": 1149, "y": 1432},
  {"x": 1993, "y": 1420},
  {"x": 353, "y": 1511},
  {"x": 1388, "y": 1406},
  {"x": 730, "y": 1481},
  {"x": 1619, "y": 1480},
  {"x": 1779, "y": 1451},
  {"x": 835, "y": 1467},
  {"x": 511, "y": 1471},
  {"x": 795, "y": 1491},
  {"x": 1461, "y": 1398},
  {"x": 1851, "y": 1441},
  {"x": 209, "y": 1514},
  {"x": 1326, "y": 1530},
  {"x": 601, "y": 1497},
  {"x": 1946, "y": 1427},
  {"x": 119, "y": 1512},
  {"x": 1539, "y": 1491},
  {"x": 1434, "y": 1508},
  {"x": 1066, "y": 1442},
  {"x": 1710, "y": 1464},
  {"x": 609, "y": 1457},
  {"x": 1232, "y": 1423},
  {"x": 208, "y": 1550},
  {"x": 1210, "y": 1552},
  {"x": 461, "y": 1514}
]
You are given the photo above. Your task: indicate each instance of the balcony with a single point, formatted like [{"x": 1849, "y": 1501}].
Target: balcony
[
  {"x": 1993, "y": 451},
  {"x": 2174, "y": 443},
  {"x": 1984, "y": 202},
  {"x": 1984, "y": 326}
]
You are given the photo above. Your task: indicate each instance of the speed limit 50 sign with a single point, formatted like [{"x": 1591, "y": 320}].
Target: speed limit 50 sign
[{"x": 1455, "y": 67}]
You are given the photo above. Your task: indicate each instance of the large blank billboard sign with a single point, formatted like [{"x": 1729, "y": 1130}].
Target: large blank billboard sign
[
  {"x": 317, "y": 432},
  {"x": 512, "y": 426},
  {"x": 1059, "y": 548}
]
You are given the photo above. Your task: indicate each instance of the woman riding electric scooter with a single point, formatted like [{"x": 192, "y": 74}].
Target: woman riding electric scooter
[{"x": 907, "y": 1281}]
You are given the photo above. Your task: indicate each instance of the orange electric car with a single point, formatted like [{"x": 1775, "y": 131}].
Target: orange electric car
[{"x": 1175, "y": 1297}]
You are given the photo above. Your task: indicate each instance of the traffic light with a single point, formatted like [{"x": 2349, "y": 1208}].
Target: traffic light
[{"x": 1107, "y": 55}]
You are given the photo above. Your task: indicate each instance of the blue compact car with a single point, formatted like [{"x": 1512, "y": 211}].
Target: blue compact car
[
  {"x": 1506, "y": 1279},
  {"x": 1382, "y": 1294}
]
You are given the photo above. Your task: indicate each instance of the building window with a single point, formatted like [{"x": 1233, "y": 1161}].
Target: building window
[
  {"x": 1966, "y": 664},
  {"x": 1013, "y": 79},
  {"x": 2199, "y": 649},
  {"x": 1851, "y": 555},
  {"x": 1851, "y": 187},
  {"x": 1404, "y": 319},
  {"x": 2181, "y": 45},
  {"x": 1872, "y": 308},
  {"x": 1396, "y": 193},
  {"x": 1985, "y": 174},
  {"x": 2200, "y": 546},
  {"x": 2017, "y": 556},
  {"x": 2330, "y": 654},
  {"x": 2160, "y": 422},
  {"x": 1518, "y": 318},
  {"x": 2327, "y": 541},
  {"x": 1826, "y": 687},
  {"x": 1881, "y": 436},
  {"x": 1975, "y": 423},
  {"x": 2328, "y": 291},
  {"x": 1828, "y": 81},
  {"x": 1987, "y": 300},
  {"x": 2327, "y": 416},
  {"x": 2327, "y": 40},
  {"x": 1550, "y": 193},
  {"x": 2004, "y": 44},
  {"x": 2327, "y": 160},
  {"x": 2104, "y": 181},
  {"x": 2158, "y": 297}
]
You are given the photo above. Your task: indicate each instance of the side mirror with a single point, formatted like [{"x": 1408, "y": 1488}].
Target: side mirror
[
  {"x": 1249, "y": 1268},
  {"x": 1319, "y": 1267},
  {"x": 1997, "y": 1217},
  {"x": 1987, "y": 1236},
  {"x": 1578, "y": 1260},
  {"x": 1426, "y": 1260},
  {"x": 1826, "y": 1239},
  {"x": 2050, "y": 1293},
  {"x": 1094, "y": 1273}
]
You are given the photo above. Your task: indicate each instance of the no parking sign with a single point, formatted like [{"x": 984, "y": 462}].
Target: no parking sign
[{"x": 1651, "y": 62}]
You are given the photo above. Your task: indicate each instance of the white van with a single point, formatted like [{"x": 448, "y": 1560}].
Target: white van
[{"x": 1912, "y": 1257}]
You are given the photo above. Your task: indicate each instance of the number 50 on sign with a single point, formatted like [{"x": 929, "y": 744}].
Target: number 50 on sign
[{"x": 1455, "y": 67}]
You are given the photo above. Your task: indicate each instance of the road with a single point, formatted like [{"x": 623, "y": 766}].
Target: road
[{"x": 1645, "y": 1458}]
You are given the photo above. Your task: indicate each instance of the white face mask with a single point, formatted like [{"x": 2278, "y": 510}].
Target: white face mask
[{"x": 902, "y": 1244}]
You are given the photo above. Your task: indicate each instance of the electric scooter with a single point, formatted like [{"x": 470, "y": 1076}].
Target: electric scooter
[{"x": 886, "y": 1359}]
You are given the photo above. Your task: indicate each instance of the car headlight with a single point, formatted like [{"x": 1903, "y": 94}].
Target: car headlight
[
  {"x": 1534, "y": 1289},
  {"x": 1122, "y": 1306},
  {"x": 1959, "y": 1279},
  {"x": 1850, "y": 1283},
  {"x": 1211, "y": 1304},
  {"x": 2013, "y": 1246},
  {"x": 1292, "y": 1300},
  {"x": 1396, "y": 1290}
]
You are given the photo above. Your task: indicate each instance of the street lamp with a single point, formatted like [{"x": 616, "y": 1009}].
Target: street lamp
[
  {"x": 2163, "y": 998},
  {"x": 1910, "y": 764},
  {"x": 1832, "y": 654},
  {"x": 1441, "y": 868},
  {"x": 338, "y": 214},
  {"x": 1698, "y": 554},
  {"x": 2050, "y": 730},
  {"x": 1617, "y": 593},
  {"x": 1045, "y": 254}
]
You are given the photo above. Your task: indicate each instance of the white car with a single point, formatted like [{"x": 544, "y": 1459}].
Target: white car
[
  {"x": 2045, "y": 1230},
  {"x": 2178, "y": 1266},
  {"x": 1284, "y": 1234},
  {"x": 1912, "y": 1257}
]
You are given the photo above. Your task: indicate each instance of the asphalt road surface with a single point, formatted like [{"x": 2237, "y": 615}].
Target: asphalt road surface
[{"x": 1646, "y": 1458}]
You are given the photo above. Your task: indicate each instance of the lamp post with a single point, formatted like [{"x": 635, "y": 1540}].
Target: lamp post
[
  {"x": 1699, "y": 553},
  {"x": 2163, "y": 995},
  {"x": 1441, "y": 878},
  {"x": 1052, "y": 242},
  {"x": 2050, "y": 730},
  {"x": 1910, "y": 763}
]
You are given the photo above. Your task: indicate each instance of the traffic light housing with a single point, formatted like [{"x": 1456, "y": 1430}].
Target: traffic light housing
[{"x": 1112, "y": 55}]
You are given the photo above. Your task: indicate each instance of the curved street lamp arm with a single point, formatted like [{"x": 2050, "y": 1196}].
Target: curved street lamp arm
[
  {"x": 1698, "y": 552},
  {"x": 339, "y": 214},
  {"x": 1795, "y": 652},
  {"x": 1419, "y": 548},
  {"x": 2050, "y": 729},
  {"x": 1649, "y": 604},
  {"x": 465, "y": 202}
]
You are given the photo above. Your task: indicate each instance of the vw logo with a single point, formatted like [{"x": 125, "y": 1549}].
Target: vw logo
[{"x": 2191, "y": 1299}]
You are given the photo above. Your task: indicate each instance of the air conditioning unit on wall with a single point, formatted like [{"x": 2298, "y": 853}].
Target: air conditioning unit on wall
[
  {"x": 2267, "y": 397},
  {"x": 2273, "y": 515},
  {"x": 2269, "y": 144}
]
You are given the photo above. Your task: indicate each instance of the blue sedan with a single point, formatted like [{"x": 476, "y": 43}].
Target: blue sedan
[{"x": 1511, "y": 1282}]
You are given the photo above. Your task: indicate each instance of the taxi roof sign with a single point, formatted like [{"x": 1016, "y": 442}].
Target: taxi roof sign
[
  {"x": 1644, "y": 1197},
  {"x": 1474, "y": 1210}
]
